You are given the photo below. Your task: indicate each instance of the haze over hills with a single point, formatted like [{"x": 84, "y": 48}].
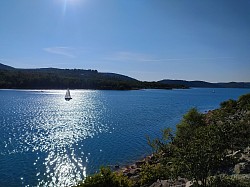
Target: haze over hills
[
  {"x": 54, "y": 78},
  {"x": 203, "y": 84}
]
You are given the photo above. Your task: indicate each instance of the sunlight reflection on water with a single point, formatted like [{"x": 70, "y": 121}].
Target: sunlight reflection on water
[
  {"x": 71, "y": 121},
  {"x": 47, "y": 141},
  {"x": 56, "y": 130}
]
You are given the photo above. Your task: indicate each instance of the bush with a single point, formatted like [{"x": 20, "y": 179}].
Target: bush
[
  {"x": 150, "y": 173},
  {"x": 244, "y": 101},
  {"x": 106, "y": 178},
  {"x": 230, "y": 104}
]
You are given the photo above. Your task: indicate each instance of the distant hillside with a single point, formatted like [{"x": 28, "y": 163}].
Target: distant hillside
[
  {"x": 54, "y": 78},
  {"x": 2, "y": 66},
  {"x": 203, "y": 84},
  {"x": 234, "y": 85},
  {"x": 118, "y": 76},
  {"x": 188, "y": 83}
]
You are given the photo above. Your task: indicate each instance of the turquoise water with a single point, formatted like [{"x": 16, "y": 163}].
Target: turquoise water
[{"x": 47, "y": 141}]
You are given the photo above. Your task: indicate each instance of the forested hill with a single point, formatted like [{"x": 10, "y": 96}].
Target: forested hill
[
  {"x": 2, "y": 66},
  {"x": 203, "y": 84},
  {"x": 53, "y": 78}
]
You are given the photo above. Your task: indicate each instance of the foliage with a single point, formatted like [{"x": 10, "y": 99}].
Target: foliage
[
  {"x": 203, "y": 155},
  {"x": 186, "y": 129},
  {"x": 229, "y": 104},
  {"x": 164, "y": 143},
  {"x": 106, "y": 178},
  {"x": 201, "y": 149},
  {"x": 244, "y": 101},
  {"x": 151, "y": 172},
  {"x": 51, "y": 78}
]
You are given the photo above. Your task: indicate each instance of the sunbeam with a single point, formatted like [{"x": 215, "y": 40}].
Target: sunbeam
[{"x": 65, "y": 6}]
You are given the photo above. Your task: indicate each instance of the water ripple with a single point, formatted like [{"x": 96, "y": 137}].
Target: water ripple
[
  {"x": 46, "y": 141},
  {"x": 55, "y": 131}
]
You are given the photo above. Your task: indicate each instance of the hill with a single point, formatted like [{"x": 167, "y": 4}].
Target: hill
[
  {"x": 2, "y": 66},
  {"x": 203, "y": 84},
  {"x": 54, "y": 78}
]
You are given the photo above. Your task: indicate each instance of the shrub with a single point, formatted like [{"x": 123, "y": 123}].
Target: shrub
[
  {"x": 244, "y": 101},
  {"x": 150, "y": 173},
  {"x": 106, "y": 178}
]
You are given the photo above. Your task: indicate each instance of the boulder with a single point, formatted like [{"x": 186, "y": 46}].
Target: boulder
[
  {"x": 161, "y": 183},
  {"x": 134, "y": 166},
  {"x": 134, "y": 171},
  {"x": 242, "y": 168},
  {"x": 181, "y": 182},
  {"x": 139, "y": 163}
]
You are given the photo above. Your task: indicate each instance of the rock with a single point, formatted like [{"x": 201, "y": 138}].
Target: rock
[
  {"x": 244, "y": 158},
  {"x": 128, "y": 174},
  {"x": 161, "y": 183},
  {"x": 247, "y": 150},
  {"x": 189, "y": 183},
  {"x": 150, "y": 162},
  {"x": 165, "y": 183},
  {"x": 135, "y": 178},
  {"x": 134, "y": 166},
  {"x": 139, "y": 163},
  {"x": 242, "y": 168},
  {"x": 182, "y": 180},
  {"x": 134, "y": 171},
  {"x": 149, "y": 158}
]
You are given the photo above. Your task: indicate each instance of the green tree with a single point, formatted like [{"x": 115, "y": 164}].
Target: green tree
[{"x": 200, "y": 150}]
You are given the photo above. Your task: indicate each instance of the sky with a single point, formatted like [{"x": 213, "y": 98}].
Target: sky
[{"x": 148, "y": 40}]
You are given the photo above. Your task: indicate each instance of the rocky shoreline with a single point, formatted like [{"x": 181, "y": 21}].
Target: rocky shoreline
[
  {"x": 241, "y": 169},
  {"x": 207, "y": 149},
  {"x": 133, "y": 171}
]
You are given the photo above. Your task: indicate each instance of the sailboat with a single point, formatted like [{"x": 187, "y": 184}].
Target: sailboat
[{"x": 67, "y": 95}]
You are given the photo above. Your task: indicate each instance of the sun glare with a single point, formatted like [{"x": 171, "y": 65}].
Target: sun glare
[{"x": 67, "y": 3}]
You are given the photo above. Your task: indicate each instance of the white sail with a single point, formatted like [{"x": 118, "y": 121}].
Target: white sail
[{"x": 67, "y": 95}]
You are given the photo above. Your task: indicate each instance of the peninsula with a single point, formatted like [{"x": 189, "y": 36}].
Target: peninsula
[{"x": 54, "y": 78}]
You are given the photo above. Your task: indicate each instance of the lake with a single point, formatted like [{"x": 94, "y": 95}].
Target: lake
[{"x": 47, "y": 141}]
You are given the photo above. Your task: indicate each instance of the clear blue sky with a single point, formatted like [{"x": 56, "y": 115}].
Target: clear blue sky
[{"x": 145, "y": 39}]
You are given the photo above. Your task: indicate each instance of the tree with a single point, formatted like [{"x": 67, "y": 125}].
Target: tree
[{"x": 200, "y": 150}]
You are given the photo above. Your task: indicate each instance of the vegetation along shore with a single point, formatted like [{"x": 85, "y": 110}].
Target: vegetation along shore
[
  {"x": 209, "y": 150},
  {"x": 53, "y": 78}
]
